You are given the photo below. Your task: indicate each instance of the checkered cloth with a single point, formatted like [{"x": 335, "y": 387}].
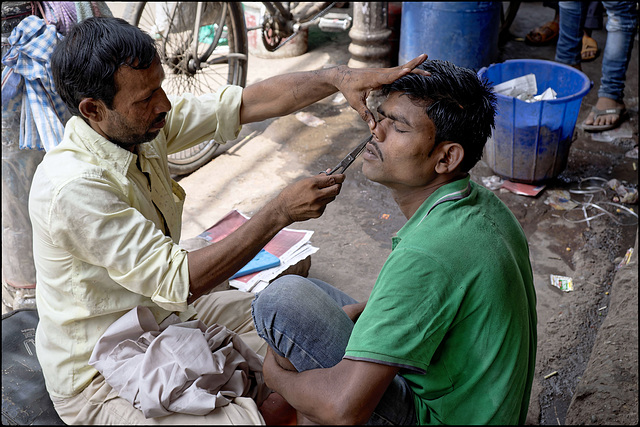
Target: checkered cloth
[{"x": 43, "y": 113}]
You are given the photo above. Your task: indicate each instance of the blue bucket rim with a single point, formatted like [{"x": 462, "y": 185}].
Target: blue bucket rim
[{"x": 586, "y": 87}]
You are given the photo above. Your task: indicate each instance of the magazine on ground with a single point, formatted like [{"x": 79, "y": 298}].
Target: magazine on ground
[{"x": 289, "y": 245}]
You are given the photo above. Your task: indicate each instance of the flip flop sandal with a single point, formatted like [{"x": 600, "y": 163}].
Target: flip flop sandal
[
  {"x": 546, "y": 34},
  {"x": 620, "y": 112},
  {"x": 589, "y": 45}
]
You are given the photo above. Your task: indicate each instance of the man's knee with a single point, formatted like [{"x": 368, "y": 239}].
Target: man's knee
[
  {"x": 282, "y": 296},
  {"x": 302, "y": 322}
]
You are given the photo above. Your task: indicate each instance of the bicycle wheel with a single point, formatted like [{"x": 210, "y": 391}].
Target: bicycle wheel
[{"x": 218, "y": 56}]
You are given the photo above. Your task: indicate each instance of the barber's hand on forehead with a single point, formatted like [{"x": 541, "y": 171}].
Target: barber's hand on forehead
[{"x": 357, "y": 83}]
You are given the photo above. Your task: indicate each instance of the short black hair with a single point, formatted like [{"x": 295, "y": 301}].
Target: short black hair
[
  {"x": 85, "y": 62},
  {"x": 461, "y": 105}
]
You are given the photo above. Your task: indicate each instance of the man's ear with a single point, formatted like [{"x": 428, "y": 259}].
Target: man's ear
[
  {"x": 92, "y": 109},
  {"x": 451, "y": 155}
]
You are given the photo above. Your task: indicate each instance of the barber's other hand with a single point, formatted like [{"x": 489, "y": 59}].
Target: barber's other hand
[
  {"x": 357, "y": 83},
  {"x": 308, "y": 197}
]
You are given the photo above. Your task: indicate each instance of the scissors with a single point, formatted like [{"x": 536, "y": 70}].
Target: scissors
[{"x": 346, "y": 162}]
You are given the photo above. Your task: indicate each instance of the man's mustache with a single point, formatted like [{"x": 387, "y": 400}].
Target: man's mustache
[{"x": 375, "y": 145}]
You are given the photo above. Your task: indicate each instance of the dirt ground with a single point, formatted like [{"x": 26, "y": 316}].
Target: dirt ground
[
  {"x": 608, "y": 391},
  {"x": 588, "y": 336},
  {"x": 587, "y": 360}
]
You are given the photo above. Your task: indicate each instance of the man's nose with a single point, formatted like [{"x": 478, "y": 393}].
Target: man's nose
[
  {"x": 164, "y": 105},
  {"x": 379, "y": 132}
]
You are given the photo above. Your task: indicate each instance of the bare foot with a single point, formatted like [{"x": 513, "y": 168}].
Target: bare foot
[
  {"x": 301, "y": 268},
  {"x": 605, "y": 119}
]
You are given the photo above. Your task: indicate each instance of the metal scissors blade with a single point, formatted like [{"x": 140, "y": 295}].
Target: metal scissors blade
[{"x": 346, "y": 162}]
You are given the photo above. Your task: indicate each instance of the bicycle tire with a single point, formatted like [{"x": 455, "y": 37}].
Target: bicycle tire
[{"x": 174, "y": 46}]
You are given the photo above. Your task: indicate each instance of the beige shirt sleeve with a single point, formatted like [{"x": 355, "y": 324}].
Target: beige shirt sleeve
[{"x": 193, "y": 120}]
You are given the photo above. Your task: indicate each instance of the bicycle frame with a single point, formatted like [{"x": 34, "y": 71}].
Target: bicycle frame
[
  {"x": 273, "y": 7},
  {"x": 283, "y": 22},
  {"x": 216, "y": 38}
]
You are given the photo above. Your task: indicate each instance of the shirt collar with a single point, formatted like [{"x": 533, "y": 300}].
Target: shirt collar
[
  {"x": 455, "y": 190},
  {"x": 106, "y": 150}
]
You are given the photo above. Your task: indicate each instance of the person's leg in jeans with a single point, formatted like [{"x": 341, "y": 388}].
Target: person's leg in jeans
[
  {"x": 303, "y": 321},
  {"x": 621, "y": 28},
  {"x": 572, "y": 17},
  {"x": 593, "y": 21}
]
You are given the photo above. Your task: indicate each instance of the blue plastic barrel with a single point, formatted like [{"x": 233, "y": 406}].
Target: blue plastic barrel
[
  {"x": 465, "y": 33},
  {"x": 531, "y": 141}
]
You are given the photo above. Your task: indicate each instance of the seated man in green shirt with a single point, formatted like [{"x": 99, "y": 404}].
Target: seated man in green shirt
[{"x": 448, "y": 335}]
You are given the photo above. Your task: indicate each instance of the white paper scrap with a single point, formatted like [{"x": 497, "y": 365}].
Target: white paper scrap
[{"x": 525, "y": 85}]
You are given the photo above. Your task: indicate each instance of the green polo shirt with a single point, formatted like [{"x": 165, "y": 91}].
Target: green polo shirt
[{"x": 454, "y": 307}]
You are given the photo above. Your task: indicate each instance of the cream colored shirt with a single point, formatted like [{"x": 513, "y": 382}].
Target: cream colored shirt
[{"x": 106, "y": 226}]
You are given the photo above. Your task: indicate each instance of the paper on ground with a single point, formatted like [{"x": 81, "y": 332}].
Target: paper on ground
[
  {"x": 262, "y": 280},
  {"x": 309, "y": 119},
  {"x": 564, "y": 283},
  {"x": 291, "y": 257},
  {"x": 289, "y": 245},
  {"x": 522, "y": 189}
]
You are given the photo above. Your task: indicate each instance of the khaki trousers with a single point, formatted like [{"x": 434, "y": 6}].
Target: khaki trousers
[{"x": 99, "y": 404}]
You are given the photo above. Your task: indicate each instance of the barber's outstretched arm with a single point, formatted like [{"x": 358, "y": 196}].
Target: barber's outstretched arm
[
  {"x": 346, "y": 393},
  {"x": 300, "y": 201},
  {"x": 281, "y": 95}
]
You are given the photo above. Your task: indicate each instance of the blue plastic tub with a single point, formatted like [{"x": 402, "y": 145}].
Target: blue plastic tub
[
  {"x": 531, "y": 141},
  {"x": 465, "y": 33}
]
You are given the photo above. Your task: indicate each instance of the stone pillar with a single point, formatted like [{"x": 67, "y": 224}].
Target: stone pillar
[{"x": 370, "y": 46}]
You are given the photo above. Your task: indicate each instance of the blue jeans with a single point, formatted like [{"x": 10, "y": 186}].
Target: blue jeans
[
  {"x": 621, "y": 29},
  {"x": 303, "y": 321}
]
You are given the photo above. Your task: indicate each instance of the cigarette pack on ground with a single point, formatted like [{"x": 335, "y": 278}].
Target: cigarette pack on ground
[
  {"x": 626, "y": 259},
  {"x": 563, "y": 283}
]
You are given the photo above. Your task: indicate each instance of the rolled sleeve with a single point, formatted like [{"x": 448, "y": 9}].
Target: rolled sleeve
[{"x": 172, "y": 294}]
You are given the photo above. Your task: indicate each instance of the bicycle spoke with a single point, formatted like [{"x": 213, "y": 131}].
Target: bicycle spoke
[
  {"x": 197, "y": 59},
  {"x": 172, "y": 27}
]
